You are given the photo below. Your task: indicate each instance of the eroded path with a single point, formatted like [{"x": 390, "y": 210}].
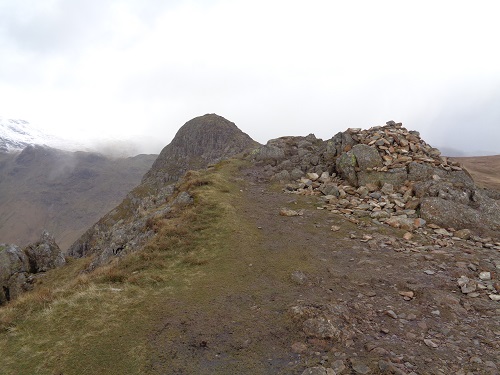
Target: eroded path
[{"x": 293, "y": 294}]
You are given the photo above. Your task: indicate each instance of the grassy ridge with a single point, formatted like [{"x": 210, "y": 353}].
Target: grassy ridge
[{"x": 99, "y": 322}]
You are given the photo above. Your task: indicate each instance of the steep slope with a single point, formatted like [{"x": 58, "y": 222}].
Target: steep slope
[
  {"x": 200, "y": 142},
  {"x": 61, "y": 191}
]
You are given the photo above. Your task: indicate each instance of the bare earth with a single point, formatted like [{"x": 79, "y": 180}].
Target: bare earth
[{"x": 358, "y": 300}]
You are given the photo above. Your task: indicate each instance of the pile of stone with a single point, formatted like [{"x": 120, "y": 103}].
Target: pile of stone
[
  {"x": 398, "y": 147},
  {"x": 387, "y": 173}
]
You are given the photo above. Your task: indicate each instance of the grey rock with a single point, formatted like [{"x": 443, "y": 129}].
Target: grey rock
[
  {"x": 339, "y": 143},
  {"x": 296, "y": 173},
  {"x": 14, "y": 269},
  {"x": 318, "y": 370},
  {"x": 330, "y": 189},
  {"x": 360, "y": 367},
  {"x": 320, "y": 328},
  {"x": 284, "y": 175},
  {"x": 346, "y": 166},
  {"x": 448, "y": 213},
  {"x": 395, "y": 176},
  {"x": 339, "y": 366},
  {"x": 270, "y": 154},
  {"x": 44, "y": 254},
  {"x": 366, "y": 156},
  {"x": 299, "y": 277},
  {"x": 183, "y": 198}
]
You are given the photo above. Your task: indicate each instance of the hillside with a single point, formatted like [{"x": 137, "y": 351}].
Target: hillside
[
  {"x": 484, "y": 169},
  {"x": 61, "y": 191},
  {"x": 270, "y": 262}
]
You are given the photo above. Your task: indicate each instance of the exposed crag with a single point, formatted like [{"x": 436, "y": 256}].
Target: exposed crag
[
  {"x": 19, "y": 266},
  {"x": 386, "y": 172},
  {"x": 200, "y": 142}
]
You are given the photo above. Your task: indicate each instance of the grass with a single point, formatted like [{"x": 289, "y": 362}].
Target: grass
[
  {"x": 207, "y": 272},
  {"x": 97, "y": 323}
]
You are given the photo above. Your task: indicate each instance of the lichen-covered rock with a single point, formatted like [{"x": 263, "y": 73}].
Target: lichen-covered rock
[
  {"x": 270, "y": 154},
  {"x": 14, "y": 272},
  {"x": 44, "y": 254},
  {"x": 320, "y": 328},
  {"x": 366, "y": 157},
  {"x": 346, "y": 166},
  {"x": 396, "y": 177},
  {"x": 484, "y": 219}
]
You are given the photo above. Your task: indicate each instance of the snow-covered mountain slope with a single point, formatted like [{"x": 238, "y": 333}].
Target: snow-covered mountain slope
[{"x": 15, "y": 135}]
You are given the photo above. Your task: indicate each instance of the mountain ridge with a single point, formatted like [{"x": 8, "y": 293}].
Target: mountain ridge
[
  {"x": 61, "y": 191},
  {"x": 301, "y": 256}
]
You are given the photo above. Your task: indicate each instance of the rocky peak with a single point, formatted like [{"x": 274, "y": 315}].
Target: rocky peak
[
  {"x": 386, "y": 172},
  {"x": 199, "y": 142}
]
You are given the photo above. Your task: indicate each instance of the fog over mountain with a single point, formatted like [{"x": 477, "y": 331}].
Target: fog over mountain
[{"x": 132, "y": 70}]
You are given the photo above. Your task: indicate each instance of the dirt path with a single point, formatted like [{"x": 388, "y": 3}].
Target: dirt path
[{"x": 294, "y": 294}]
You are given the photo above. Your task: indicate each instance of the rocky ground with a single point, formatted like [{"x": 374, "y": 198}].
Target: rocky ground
[{"x": 359, "y": 297}]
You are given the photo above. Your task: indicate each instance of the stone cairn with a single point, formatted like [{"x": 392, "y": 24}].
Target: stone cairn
[{"x": 386, "y": 174}]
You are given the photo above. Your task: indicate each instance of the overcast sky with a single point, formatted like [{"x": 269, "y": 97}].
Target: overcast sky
[{"x": 142, "y": 68}]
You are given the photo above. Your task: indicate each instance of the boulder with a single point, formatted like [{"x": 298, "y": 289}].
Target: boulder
[
  {"x": 485, "y": 218},
  {"x": 270, "y": 154},
  {"x": 346, "y": 166},
  {"x": 44, "y": 254},
  {"x": 396, "y": 177},
  {"x": 366, "y": 157},
  {"x": 14, "y": 276}
]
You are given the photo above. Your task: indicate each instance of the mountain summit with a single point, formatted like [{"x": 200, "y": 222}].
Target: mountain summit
[{"x": 199, "y": 142}]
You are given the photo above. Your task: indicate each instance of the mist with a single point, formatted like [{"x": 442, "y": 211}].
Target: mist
[{"x": 127, "y": 74}]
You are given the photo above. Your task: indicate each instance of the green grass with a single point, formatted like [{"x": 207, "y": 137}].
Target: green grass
[
  {"x": 206, "y": 265},
  {"x": 98, "y": 323}
]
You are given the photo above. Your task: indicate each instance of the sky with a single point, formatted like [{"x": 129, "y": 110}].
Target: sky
[{"x": 139, "y": 69}]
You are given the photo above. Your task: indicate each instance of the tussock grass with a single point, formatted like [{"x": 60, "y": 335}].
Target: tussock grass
[{"x": 77, "y": 322}]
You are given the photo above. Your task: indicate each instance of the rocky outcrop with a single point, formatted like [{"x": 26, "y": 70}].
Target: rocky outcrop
[
  {"x": 199, "y": 143},
  {"x": 18, "y": 267},
  {"x": 14, "y": 272},
  {"x": 385, "y": 172},
  {"x": 45, "y": 254}
]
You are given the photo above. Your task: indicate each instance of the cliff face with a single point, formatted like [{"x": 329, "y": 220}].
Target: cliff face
[{"x": 199, "y": 142}]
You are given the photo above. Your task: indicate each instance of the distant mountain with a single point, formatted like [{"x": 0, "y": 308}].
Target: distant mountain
[
  {"x": 61, "y": 191},
  {"x": 200, "y": 142},
  {"x": 15, "y": 135}
]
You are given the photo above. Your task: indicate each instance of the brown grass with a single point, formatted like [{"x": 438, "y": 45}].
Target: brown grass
[{"x": 484, "y": 169}]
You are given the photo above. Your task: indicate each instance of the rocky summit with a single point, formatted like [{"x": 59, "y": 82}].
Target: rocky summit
[
  {"x": 387, "y": 173},
  {"x": 367, "y": 253},
  {"x": 200, "y": 142}
]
